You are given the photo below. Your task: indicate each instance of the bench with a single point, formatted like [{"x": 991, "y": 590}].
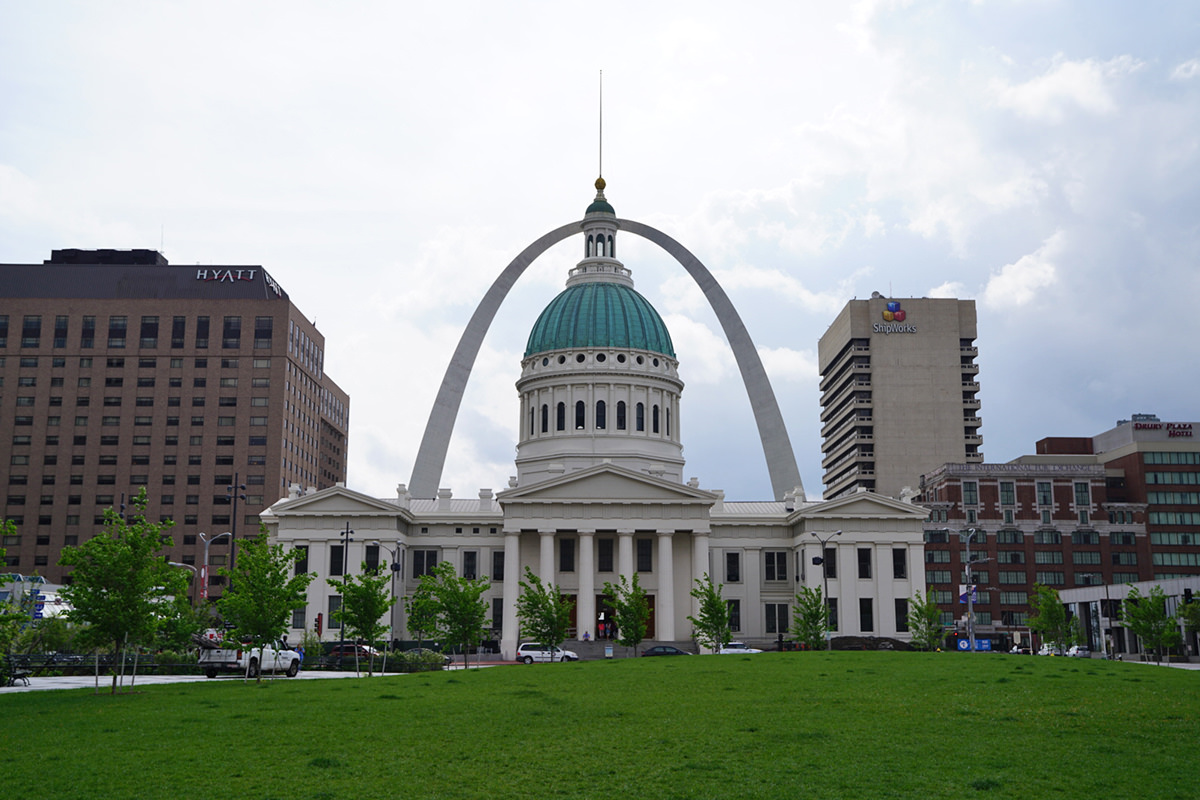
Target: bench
[{"x": 16, "y": 668}]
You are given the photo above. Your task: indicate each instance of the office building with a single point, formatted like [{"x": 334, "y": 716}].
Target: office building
[
  {"x": 120, "y": 371},
  {"x": 899, "y": 393}
]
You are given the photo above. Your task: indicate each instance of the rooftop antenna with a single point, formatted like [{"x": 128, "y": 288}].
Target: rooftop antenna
[{"x": 601, "y": 172}]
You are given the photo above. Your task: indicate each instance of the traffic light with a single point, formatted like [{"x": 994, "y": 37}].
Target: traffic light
[
  {"x": 818, "y": 561},
  {"x": 320, "y": 622}
]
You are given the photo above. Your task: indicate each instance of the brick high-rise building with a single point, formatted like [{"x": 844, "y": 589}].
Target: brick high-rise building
[{"x": 120, "y": 371}]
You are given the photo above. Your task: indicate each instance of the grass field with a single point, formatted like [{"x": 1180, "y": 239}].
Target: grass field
[{"x": 779, "y": 725}]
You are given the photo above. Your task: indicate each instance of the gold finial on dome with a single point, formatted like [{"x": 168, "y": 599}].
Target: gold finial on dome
[{"x": 600, "y": 184}]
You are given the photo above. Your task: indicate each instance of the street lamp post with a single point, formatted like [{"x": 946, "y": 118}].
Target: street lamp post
[
  {"x": 234, "y": 492},
  {"x": 347, "y": 536},
  {"x": 204, "y": 567},
  {"x": 820, "y": 561},
  {"x": 192, "y": 567},
  {"x": 967, "y": 536},
  {"x": 395, "y": 567}
]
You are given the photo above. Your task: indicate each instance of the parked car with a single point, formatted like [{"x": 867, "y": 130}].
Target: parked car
[
  {"x": 422, "y": 652},
  {"x": 246, "y": 659},
  {"x": 530, "y": 652},
  {"x": 664, "y": 650},
  {"x": 1079, "y": 651},
  {"x": 1047, "y": 650},
  {"x": 349, "y": 651},
  {"x": 737, "y": 647}
]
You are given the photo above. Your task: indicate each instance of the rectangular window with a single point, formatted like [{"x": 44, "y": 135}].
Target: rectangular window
[
  {"x": 937, "y": 576},
  {"x": 566, "y": 554},
  {"x": 263, "y": 332},
  {"x": 423, "y": 562},
  {"x": 1045, "y": 497},
  {"x": 735, "y": 614},
  {"x": 1124, "y": 559},
  {"x": 830, "y": 562},
  {"x": 298, "y": 620},
  {"x": 733, "y": 566},
  {"x": 832, "y": 604},
  {"x": 777, "y": 618},
  {"x": 604, "y": 555},
  {"x": 178, "y": 331},
  {"x": 117, "y": 329},
  {"x": 231, "y": 334},
  {"x": 899, "y": 564},
  {"x": 1012, "y": 578},
  {"x": 1050, "y": 578},
  {"x": 149, "y": 337},
  {"x": 866, "y": 614},
  {"x": 1083, "y": 496},
  {"x": 645, "y": 555},
  {"x": 497, "y": 614},
  {"x": 202, "y": 327},
  {"x": 497, "y": 565},
  {"x": 371, "y": 557},
  {"x": 864, "y": 563},
  {"x": 901, "y": 615},
  {"x": 470, "y": 567},
  {"x": 970, "y": 493},
  {"x": 335, "y": 605},
  {"x": 1008, "y": 493},
  {"x": 31, "y": 331},
  {"x": 1048, "y": 557},
  {"x": 337, "y": 559},
  {"x": 61, "y": 323},
  {"x": 1009, "y": 537},
  {"x": 776, "y": 563}
]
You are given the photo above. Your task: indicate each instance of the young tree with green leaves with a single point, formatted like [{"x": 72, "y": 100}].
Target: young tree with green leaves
[
  {"x": 810, "y": 618},
  {"x": 544, "y": 613},
  {"x": 630, "y": 610},
  {"x": 462, "y": 613},
  {"x": 11, "y": 618},
  {"x": 422, "y": 610},
  {"x": 121, "y": 582},
  {"x": 925, "y": 622},
  {"x": 262, "y": 593},
  {"x": 711, "y": 624},
  {"x": 366, "y": 598},
  {"x": 1146, "y": 616},
  {"x": 1049, "y": 618},
  {"x": 1189, "y": 615}
]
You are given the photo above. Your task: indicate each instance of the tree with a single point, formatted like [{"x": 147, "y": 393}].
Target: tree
[
  {"x": 631, "y": 611},
  {"x": 1049, "y": 618},
  {"x": 925, "y": 622},
  {"x": 11, "y": 618},
  {"x": 121, "y": 582},
  {"x": 262, "y": 592},
  {"x": 544, "y": 613},
  {"x": 422, "y": 610},
  {"x": 711, "y": 623},
  {"x": 1188, "y": 614},
  {"x": 1146, "y": 616},
  {"x": 810, "y": 619},
  {"x": 366, "y": 597},
  {"x": 461, "y": 611}
]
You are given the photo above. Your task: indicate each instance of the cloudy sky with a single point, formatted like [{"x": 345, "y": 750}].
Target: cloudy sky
[{"x": 384, "y": 161}]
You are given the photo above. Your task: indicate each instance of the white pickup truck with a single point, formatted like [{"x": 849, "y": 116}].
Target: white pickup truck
[{"x": 246, "y": 659}]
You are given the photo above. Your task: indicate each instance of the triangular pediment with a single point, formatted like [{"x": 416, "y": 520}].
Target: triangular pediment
[
  {"x": 863, "y": 504},
  {"x": 335, "y": 500},
  {"x": 606, "y": 483}
]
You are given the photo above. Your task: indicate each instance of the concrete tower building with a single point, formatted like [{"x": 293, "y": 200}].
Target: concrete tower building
[{"x": 899, "y": 394}]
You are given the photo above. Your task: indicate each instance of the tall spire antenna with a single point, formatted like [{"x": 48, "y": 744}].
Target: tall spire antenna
[{"x": 601, "y": 123}]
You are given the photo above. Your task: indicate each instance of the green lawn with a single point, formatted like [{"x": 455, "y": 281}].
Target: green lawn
[{"x": 778, "y": 725}]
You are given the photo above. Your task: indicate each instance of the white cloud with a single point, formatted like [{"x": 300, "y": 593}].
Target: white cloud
[
  {"x": 1017, "y": 284},
  {"x": 787, "y": 364},
  {"x": 1080, "y": 84},
  {"x": 1187, "y": 70},
  {"x": 949, "y": 289}
]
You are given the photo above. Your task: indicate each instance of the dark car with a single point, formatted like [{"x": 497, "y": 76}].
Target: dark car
[
  {"x": 348, "y": 651},
  {"x": 664, "y": 650}
]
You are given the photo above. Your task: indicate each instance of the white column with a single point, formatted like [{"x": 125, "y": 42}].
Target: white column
[
  {"x": 546, "y": 561},
  {"x": 753, "y": 610},
  {"x": 585, "y": 616},
  {"x": 665, "y": 610},
  {"x": 699, "y": 564},
  {"x": 625, "y": 554},
  {"x": 512, "y": 579}
]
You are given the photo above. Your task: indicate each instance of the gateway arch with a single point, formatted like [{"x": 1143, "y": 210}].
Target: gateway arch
[{"x": 777, "y": 447}]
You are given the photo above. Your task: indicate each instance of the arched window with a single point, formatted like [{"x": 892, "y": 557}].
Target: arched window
[
  {"x": 620, "y": 415},
  {"x": 591, "y": 243},
  {"x": 580, "y": 411},
  {"x": 532, "y": 430},
  {"x": 561, "y": 421},
  {"x": 641, "y": 417},
  {"x": 612, "y": 249},
  {"x": 545, "y": 418},
  {"x": 654, "y": 419},
  {"x": 668, "y": 421},
  {"x": 601, "y": 415}
]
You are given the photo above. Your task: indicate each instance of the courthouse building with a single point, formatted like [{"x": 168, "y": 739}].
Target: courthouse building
[{"x": 600, "y": 488}]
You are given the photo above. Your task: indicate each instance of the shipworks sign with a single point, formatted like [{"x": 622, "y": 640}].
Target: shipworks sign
[{"x": 894, "y": 320}]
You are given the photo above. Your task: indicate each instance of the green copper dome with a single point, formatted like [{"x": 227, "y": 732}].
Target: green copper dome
[{"x": 599, "y": 315}]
